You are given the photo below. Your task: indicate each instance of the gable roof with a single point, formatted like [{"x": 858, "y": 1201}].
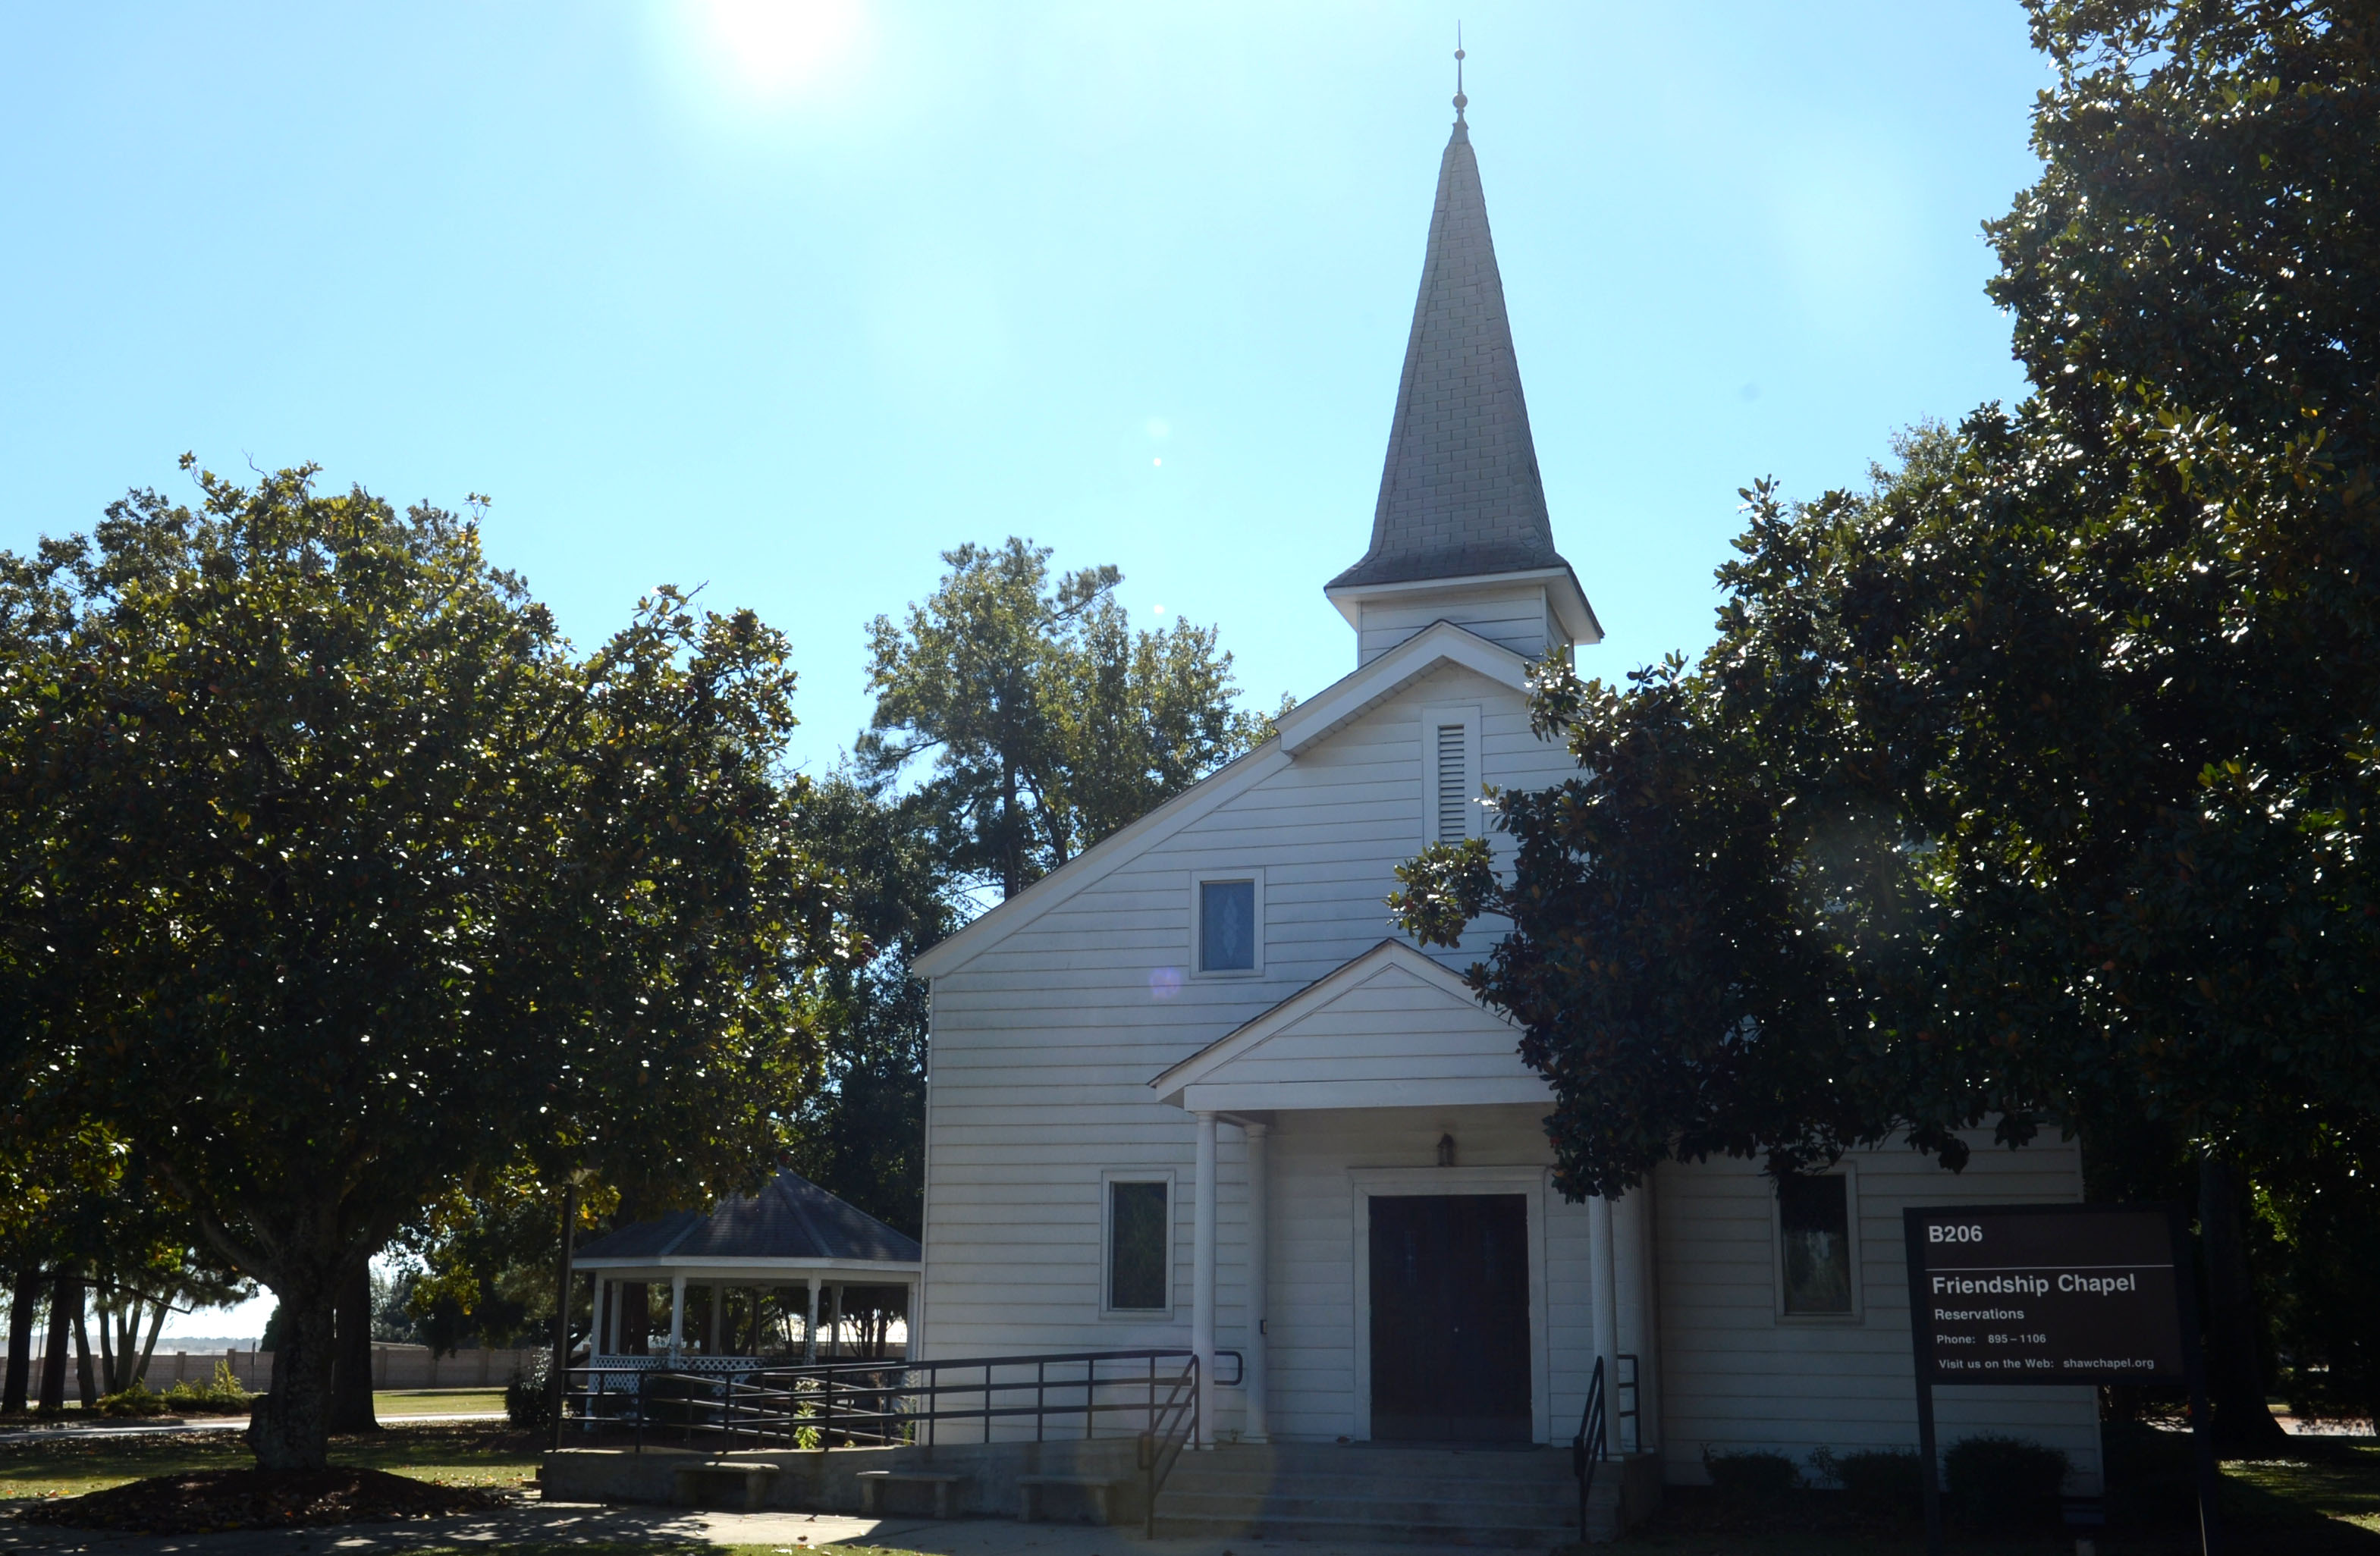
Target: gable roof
[
  {"x": 1441, "y": 642},
  {"x": 1392, "y": 1028},
  {"x": 1300, "y": 728},
  {"x": 791, "y": 1218},
  {"x": 1459, "y": 490}
]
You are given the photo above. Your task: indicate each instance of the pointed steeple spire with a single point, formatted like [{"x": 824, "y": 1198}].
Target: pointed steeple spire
[{"x": 1460, "y": 494}]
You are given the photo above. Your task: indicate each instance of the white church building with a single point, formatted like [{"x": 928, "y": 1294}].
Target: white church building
[{"x": 1194, "y": 1089}]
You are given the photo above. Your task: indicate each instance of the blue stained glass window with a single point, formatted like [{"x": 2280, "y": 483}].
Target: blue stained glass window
[{"x": 1227, "y": 926}]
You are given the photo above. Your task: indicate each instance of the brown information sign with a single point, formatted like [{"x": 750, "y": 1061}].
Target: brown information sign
[{"x": 2046, "y": 1294}]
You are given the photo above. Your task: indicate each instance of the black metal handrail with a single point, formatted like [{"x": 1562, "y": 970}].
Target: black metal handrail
[
  {"x": 1590, "y": 1447},
  {"x": 1172, "y": 1428},
  {"x": 851, "y": 1403}
]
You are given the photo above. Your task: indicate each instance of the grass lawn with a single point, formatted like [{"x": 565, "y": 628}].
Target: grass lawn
[
  {"x": 2339, "y": 1479},
  {"x": 437, "y": 1402},
  {"x": 455, "y": 1455},
  {"x": 665, "y": 1548}
]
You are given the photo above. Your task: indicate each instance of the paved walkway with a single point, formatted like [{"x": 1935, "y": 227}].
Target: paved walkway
[{"x": 578, "y": 1522}]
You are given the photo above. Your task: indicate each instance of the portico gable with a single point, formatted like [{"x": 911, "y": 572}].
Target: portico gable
[{"x": 1391, "y": 1029}]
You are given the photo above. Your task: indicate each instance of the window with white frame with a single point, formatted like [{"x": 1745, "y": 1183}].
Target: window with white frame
[
  {"x": 1137, "y": 1272},
  {"x": 1227, "y": 918},
  {"x": 1450, "y": 774},
  {"x": 1817, "y": 1246}
]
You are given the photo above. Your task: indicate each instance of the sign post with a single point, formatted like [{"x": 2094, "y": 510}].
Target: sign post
[{"x": 2053, "y": 1293}]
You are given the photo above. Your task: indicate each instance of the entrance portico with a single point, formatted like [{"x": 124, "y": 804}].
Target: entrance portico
[{"x": 1383, "y": 1100}]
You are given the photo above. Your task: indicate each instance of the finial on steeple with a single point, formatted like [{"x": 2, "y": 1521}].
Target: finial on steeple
[{"x": 1460, "y": 102}]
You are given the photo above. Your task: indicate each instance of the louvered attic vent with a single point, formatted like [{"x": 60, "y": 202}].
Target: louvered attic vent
[{"x": 1453, "y": 761}]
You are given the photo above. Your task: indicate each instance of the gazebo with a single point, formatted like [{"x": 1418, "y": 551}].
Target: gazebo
[{"x": 765, "y": 1261}]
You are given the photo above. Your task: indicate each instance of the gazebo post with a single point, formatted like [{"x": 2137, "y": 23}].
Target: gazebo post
[
  {"x": 711, "y": 1336},
  {"x": 809, "y": 1331},
  {"x": 677, "y": 1317}
]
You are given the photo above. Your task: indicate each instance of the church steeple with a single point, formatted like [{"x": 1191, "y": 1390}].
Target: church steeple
[{"x": 1460, "y": 498}]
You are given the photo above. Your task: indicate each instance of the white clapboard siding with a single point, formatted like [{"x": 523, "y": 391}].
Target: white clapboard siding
[
  {"x": 1519, "y": 619},
  {"x": 1046, "y": 1038},
  {"x": 1045, "y": 1043},
  {"x": 1737, "y": 1376}
]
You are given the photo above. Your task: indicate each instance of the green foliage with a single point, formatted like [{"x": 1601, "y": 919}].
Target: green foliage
[
  {"x": 2001, "y": 1483},
  {"x": 315, "y": 817},
  {"x": 861, "y": 1134},
  {"x": 223, "y": 1394},
  {"x": 1882, "y": 1482},
  {"x": 528, "y": 1398},
  {"x": 138, "y": 1399},
  {"x": 1051, "y": 723},
  {"x": 1753, "y": 1477},
  {"x": 2324, "y": 1213}
]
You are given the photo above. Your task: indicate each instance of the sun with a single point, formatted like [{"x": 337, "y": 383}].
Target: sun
[{"x": 778, "y": 47}]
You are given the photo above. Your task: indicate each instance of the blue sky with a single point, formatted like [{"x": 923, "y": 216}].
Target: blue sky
[{"x": 787, "y": 298}]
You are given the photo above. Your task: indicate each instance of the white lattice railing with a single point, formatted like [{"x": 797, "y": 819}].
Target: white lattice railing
[{"x": 628, "y": 1367}]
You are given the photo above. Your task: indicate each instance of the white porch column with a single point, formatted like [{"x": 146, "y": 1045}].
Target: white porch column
[
  {"x": 1202, "y": 1277},
  {"x": 1607, "y": 1304},
  {"x": 610, "y": 1298},
  {"x": 677, "y": 1315},
  {"x": 1257, "y": 1427},
  {"x": 711, "y": 1346},
  {"x": 1632, "y": 1235},
  {"x": 909, "y": 1323},
  {"x": 809, "y": 1331}
]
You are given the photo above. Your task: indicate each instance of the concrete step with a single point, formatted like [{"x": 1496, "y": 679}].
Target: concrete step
[
  {"x": 1401, "y": 1508},
  {"x": 1410, "y": 1487},
  {"x": 1366, "y": 1532},
  {"x": 1410, "y": 1496}
]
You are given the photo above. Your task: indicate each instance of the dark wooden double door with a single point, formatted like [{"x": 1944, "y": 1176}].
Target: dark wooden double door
[{"x": 1451, "y": 1317}]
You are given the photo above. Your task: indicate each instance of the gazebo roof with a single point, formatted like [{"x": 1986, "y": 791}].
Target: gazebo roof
[{"x": 791, "y": 1223}]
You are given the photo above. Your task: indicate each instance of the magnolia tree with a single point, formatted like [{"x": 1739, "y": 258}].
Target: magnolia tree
[
  {"x": 338, "y": 879},
  {"x": 2040, "y": 784}
]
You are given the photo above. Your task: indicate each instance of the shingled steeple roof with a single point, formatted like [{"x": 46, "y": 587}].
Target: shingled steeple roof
[{"x": 1460, "y": 495}]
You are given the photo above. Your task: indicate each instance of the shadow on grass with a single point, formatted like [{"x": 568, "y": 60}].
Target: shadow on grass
[{"x": 66, "y": 1465}]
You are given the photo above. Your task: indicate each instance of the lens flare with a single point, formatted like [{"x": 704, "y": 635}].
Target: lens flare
[{"x": 778, "y": 47}]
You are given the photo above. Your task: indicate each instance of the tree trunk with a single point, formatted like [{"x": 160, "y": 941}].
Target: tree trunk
[
  {"x": 2235, "y": 1371},
  {"x": 1012, "y": 859},
  {"x": 54, "y": 1365},
  {"x": 291, "y": 1428},
  {"x": 149, "y": 1347},
  {"x": 351, "y": 1377},
  {"x": 86, "y": 1384},
  {"x": 28, "y": 1293},
  {"x": 128, "y": 1341},
  {"x": 107, "y": 1383},
  {"x": 558, "y": 1374}
]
